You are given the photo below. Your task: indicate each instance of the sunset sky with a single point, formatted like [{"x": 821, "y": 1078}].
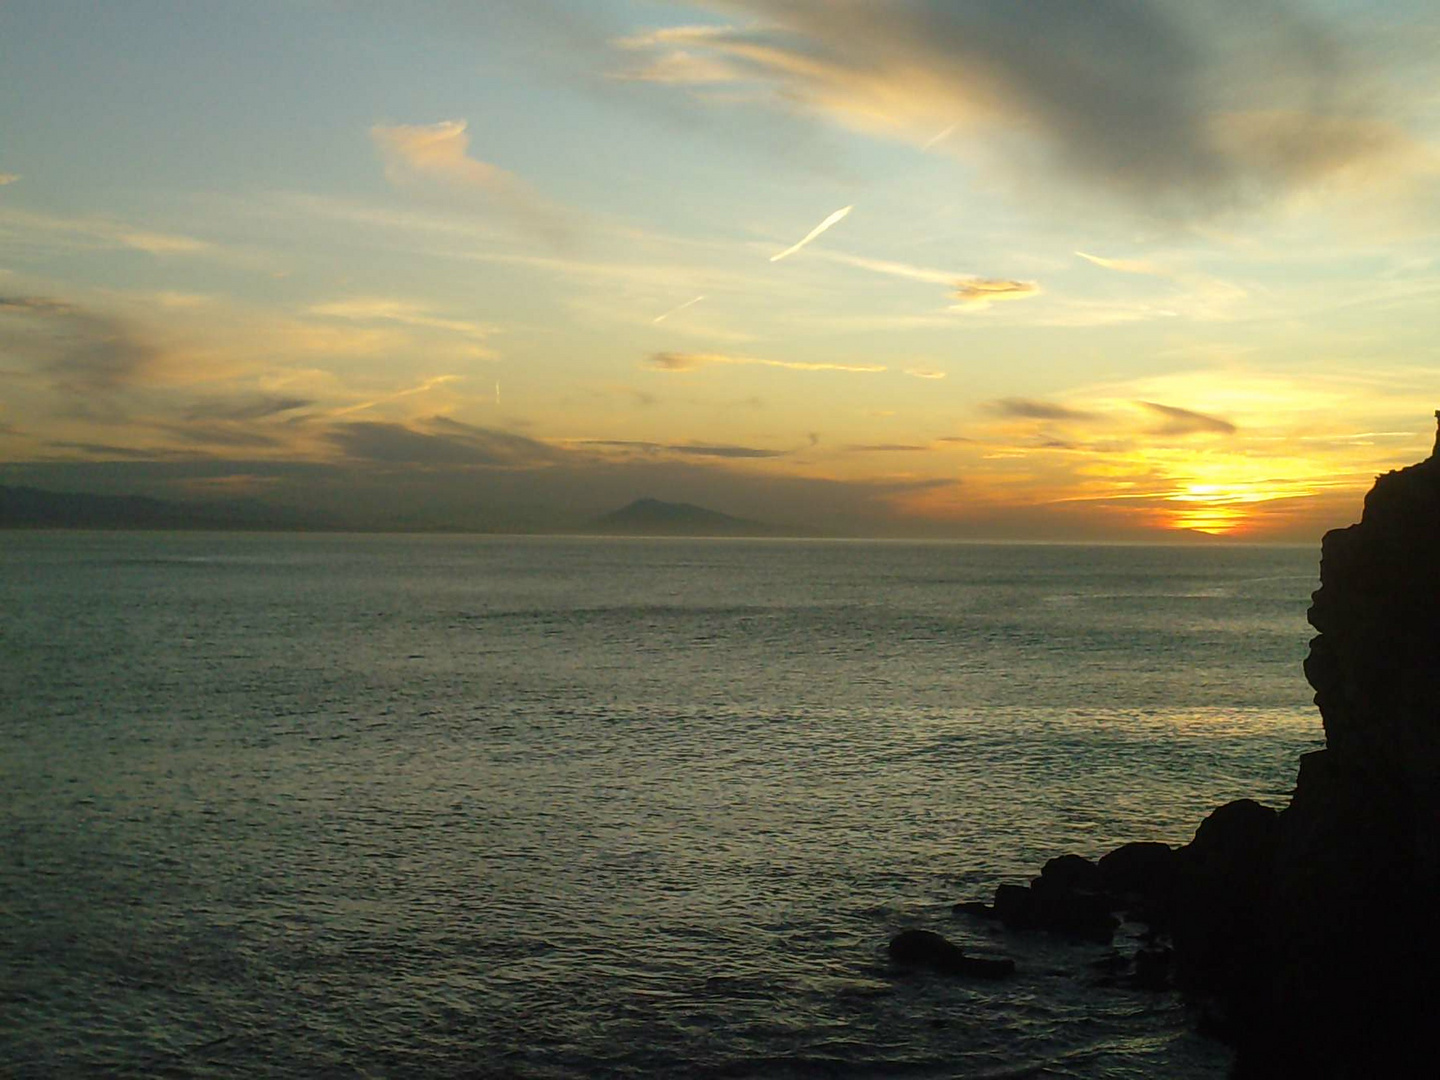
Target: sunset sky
[{"x": 1016, "y": 268}]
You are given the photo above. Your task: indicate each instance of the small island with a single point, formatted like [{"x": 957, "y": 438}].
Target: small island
[{"x": 654, "y": 517}]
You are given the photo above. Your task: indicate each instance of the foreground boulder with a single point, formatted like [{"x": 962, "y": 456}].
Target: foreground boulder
[
  {"x": 1142, "y": 876},
  {"x": 1223, "y": 910},
  {"x": 925, "y": 948}
]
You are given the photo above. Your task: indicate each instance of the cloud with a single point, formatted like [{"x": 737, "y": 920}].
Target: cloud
[
  {"x": 688, "y": 449},
  {"x": 8, "y": 178},
  {"x": 925, "y": 373},
  {"x": 726, "y": 451},
  {"x": 681, "y": 68},
  {"x": 84, "y": 351},
  {"x": 973, "y": 293},
  {"x": 1123, "y": 266},
  {"x": 259, "y": 407},
  {"x": 103, "y": 232},
  {"x": 1180, "y": 107},
  {"x": 407, "y": 313},
  {"x": 1184, "y": 422},
  {"x": 897, "y": 269},
  {"x": 980, "y": 293},
  {"x": 886, "y": 448},
  {"x": 447, "y": 442},
  {"x": 674, "y": 361},
  {"x": 221, "y": 435},
  {"x": 436, "y": 157},
  {"x": 1028, "y": 409}
]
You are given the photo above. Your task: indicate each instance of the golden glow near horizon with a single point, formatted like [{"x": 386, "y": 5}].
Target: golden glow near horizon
[{"x": 1071, "y": 291}]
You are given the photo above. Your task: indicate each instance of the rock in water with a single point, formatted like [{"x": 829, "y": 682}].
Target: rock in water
[
  {"x": 1349, "y": 988},
  {"x": 925, "y": 948}
]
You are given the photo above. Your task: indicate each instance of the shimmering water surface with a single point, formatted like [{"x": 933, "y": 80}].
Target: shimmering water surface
[{"x": 458, "y": 806}]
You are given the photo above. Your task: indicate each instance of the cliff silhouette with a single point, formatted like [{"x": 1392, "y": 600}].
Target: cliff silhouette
[
  {"x": 1309, "y": 936},
  {"x": 1348, "y": 983}
]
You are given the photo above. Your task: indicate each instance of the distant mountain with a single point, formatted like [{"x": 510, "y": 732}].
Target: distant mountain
[
  {"x": 33, "y": 508},
  {"x": 651, "y": 517}
]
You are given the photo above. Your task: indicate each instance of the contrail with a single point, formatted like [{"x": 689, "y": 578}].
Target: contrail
[
  {"x": 940, "y": 137},
  {"x": 677, "y": 310},
  {"x": 813, "y": 233}
]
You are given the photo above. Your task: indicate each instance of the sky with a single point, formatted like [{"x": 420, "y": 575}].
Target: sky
[{"x": 1002, "y": 269}]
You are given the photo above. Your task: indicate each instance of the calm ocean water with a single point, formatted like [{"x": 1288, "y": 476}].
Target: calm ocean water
[{"x": 304, "y": 806}]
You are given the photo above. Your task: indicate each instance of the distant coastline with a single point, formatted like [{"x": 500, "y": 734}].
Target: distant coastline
[{"x": 25, "y": 508}]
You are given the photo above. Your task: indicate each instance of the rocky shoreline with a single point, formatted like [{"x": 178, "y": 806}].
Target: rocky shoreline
[{"x": 1308, "y": 936}]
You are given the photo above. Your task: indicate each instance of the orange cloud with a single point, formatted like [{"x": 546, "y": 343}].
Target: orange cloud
[
  {"x": 672, "y": 361},
  {"x": 979, "y": 293}
]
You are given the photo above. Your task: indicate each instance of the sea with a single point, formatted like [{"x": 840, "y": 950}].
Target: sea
[{"x": 476, "y": 806}]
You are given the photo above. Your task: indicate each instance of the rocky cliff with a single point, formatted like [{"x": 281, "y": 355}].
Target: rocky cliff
[
  {"x": 1346, "y": 986},
  {"x": 1311, "y": 937}
]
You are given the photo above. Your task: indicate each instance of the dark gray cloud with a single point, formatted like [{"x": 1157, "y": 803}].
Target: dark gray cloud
[
  {"x": 258, "y": 407},
  {"x": 221, "y": 434},
  {"x": 687, "y": 449},
  {"x": 1179, "y": 421},
  {"x": 108, "y": 452},
  {"x": 725, "y": 451},
  {"x": 83, "y": 351},
  {"x": 448, "y": 442},
  {"x": 1029, "y": 409},
  {"x": 1180, "y": 106},
  {"x": 885, "y": 448}
]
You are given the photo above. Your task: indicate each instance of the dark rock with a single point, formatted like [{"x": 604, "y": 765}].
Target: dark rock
[
  {"x": 984, "y": 967},
  {"x": 1223, "y": 906},
  {"x": 1071, "y": 872},
  {"x": 925, "y": 948},
  {"x": 1145, "y": 869},
  {"x": 1015, "y": 907},
  {"x": 978, "y": 908},
  {"x": 1075, "y": 913},
  {"x": 1152, "y": 969},
  {"x": 1053, "y": 907}
]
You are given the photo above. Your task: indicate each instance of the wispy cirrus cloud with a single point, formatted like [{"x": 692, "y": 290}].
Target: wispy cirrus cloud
[
  {"x": 97, "y": 232},
  {"x": 675, "y": 361},
  {"x": 701, "y": 450},
  {"x": 247, "y": 407},
  {"x": 1030, "y": 409},
  {"x": 886, "y": 448},
  {"x": 898, "y": 269},
  {"x": 1123, "y": 266},
  {"x": 1178, "y": 421},
  {"x": 405, "y": 312},
  {"x": 436, "y": 158},
  {"x": 969, "y": 291}
]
